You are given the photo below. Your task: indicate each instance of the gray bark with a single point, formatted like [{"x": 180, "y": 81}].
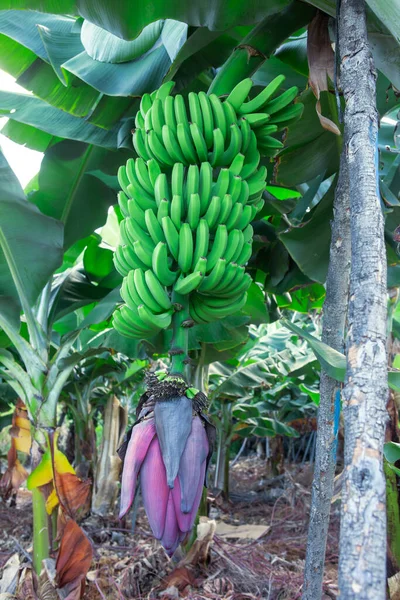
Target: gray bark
[
  {"x": 362, "y": 561},
  {"x": 334, "y": 320}
]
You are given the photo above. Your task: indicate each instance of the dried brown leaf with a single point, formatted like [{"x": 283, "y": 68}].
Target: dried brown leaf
[
  {"x": 321, "y": 62},
  {"x": 74, "y": 558}
]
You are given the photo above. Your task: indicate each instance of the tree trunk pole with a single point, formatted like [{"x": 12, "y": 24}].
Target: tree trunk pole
[
  {"x": 362, "y": 561},
  {"x": 334, "y": 320}
]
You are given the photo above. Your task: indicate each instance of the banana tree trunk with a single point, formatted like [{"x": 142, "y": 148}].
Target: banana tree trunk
[
  {"x": 334, "y": 321},
  {"x": 362, "y": 560},
  {"x": 109, "y": 464}
]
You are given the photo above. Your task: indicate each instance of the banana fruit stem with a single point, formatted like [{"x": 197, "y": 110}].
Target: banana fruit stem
[{"x": 180, "y": 326}]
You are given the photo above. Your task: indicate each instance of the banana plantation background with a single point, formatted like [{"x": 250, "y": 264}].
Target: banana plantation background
[{"x": 290, "y": 393}]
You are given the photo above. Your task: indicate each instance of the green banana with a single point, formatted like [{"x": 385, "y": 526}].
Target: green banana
[
  {"x": 185, "y": 255},
  {"x": 165, "y": 89},
  {"x": 239, "y": 93},
  {"x": 218, "y": 113},
  {"x": 169, "y": 112},
  {"x": 137, "y": 213},
  {"x": 202, "y": 241},
  {"x": 145, "y": 104},
  {"x": 186, "y": 144},
  {"x": 208, "y": 119},
  {"x": 221, "y": 186},
  {"x": 135, "y": 233},
  {"x": 123, "y": 201},
  {"x": 140, "y": 145},
  {"x": 192, "y": 183},
  {"x": 234, "y": 238},
  {"x": 171, "y": 235},
  {"x": 176, "y": 211},
  {"x": 261, "y": 100},
  {"x": 154, "y": 227},
  {"x": 163, "y": 210},
  {"x": 257, "y": 119},
  {"x": 142, "y": 175},
  {"x": 237, "y": 164},
  {"x": 205, "y": 185},
  {"x": 252, "y": 158},
  {"x": 154, "y": 171},
  {"x": 158, "y": 151},
  {"x": 157, "y": 290},
  {"x": 246, "y": 217},
  {"x": 212, "y": 280},
  {"x": 282, "y": 101},
  {"x": 226, "y": 208},
  {"x": 161, "y": 189},
  {"x": 162, "y": 321},
  {"x": 158, "y": 119},
  {"x": 199, "y": 142},
  {"x": 123, "y": 179},
  {"x": 288, "y": 115},
  {"x": 230, "y": 113},
  {"x": 143, "y": 291},
  {"x": 143, "y": 254},
  {"x": 218, "y": 247},
  {"x": 213, "y": 212},
  {"x": 177, "y": 179},
  {"x": 234, "y": 145},
  {"x": 180, "y": 112},
  {"x": 235, "y": 216},
  {"x": 245, "y": 130},
  {"x": 193, "y": 211},
  {"x": 245, "y": 254},
  {"x": 235, "y": 188},
  {"x": 131, "y": 258},
  {"x": 171, "y": 145},
  {"x": 215, "y": 157},
  {"x": 196, "y": 115},
  {"x": 160, "y": 265},
  {"x": 186, "y": 285}
]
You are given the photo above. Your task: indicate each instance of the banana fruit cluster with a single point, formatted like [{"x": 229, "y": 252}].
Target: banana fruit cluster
[{"x": 188, "y": 201}]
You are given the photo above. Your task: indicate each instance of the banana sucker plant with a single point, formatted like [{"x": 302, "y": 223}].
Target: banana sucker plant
[
  {"x": 187, "y": 201},
  {"x": 34, "y": 361}
]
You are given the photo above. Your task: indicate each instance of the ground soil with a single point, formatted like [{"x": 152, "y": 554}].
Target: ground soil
[{"x": 134, "y": 565}]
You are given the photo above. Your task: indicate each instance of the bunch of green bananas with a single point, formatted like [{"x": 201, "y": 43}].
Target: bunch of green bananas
[{"x": 189, "y": 198}]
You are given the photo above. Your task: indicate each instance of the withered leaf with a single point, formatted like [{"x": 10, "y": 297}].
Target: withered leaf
[
  {"x": 321, "y": 62},
  {"x": 74, "y": 556}
]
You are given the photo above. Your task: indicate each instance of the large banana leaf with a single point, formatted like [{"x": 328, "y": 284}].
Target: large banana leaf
[
  {"x": 309, "y": 148},
  {"x": 236, "y": 380},
  {"x": 30, "y": 242},
  {"x": 127, "y": 22},
  {"x": 36, "y": 113},
  {"x": 308, "y": 244},
  {"x": 83, "y": 199}
]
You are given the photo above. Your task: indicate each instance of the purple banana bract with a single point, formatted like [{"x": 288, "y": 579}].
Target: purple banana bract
[{"x": 171, "y": 509}]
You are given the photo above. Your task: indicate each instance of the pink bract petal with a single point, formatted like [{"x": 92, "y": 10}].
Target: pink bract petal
[
  {"x": 155, "y": 491},
  {"x": 142, "y": 435},
  {"x": 171, "y": 536},
  {"x": 186, "y": 520},
  {"x": 194, "y": 454}
]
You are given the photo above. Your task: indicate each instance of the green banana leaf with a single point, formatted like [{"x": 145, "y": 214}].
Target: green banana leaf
[
  {"x": 36, "y": 113},
  {"x": 127, "y": 78},
  {"x": 83, "y": 199},
  {"x": 308, "y": 244},
  {"x": 127, "y": 23},
  {"x": 334, "y": 362},
  {"x": 235, "y": 380},
  {"x": 30, "y": 243},
  {"x": 309, "y": 148}
]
